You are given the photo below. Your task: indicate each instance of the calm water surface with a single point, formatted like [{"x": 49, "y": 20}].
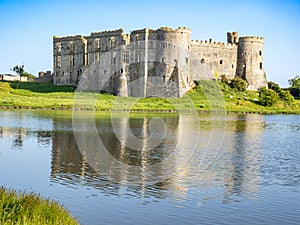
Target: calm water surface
[{"x": 245, "y": 168}]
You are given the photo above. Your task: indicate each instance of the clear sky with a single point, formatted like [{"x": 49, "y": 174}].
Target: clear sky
[{"x": 27, "y": 27}]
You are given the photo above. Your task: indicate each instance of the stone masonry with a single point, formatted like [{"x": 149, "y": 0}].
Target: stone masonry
[{"x": 154, "y": 63}]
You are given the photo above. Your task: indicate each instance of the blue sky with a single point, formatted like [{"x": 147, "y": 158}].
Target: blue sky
[{"x": 27, "y": 27}]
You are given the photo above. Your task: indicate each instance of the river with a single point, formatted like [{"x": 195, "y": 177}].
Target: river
[{"x": 156, "y": 168}]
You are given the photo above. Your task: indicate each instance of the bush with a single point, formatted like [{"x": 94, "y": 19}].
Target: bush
[
  {"x": 286, "y": 97},
  {"x": 238, "y": 84},
  {"x": 268, "y": 97}
]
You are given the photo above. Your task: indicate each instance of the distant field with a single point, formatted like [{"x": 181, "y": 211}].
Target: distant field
[{"x": 208, "y": 95}]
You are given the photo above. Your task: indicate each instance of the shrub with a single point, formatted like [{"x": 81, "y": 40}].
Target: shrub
[
  {"x": 286, "y": 97},
  {"x": 238, "y": 84},
  {"x": 268, "y": 97}
]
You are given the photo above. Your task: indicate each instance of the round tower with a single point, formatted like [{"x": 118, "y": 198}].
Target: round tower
[{"x": 250, "y": 65}]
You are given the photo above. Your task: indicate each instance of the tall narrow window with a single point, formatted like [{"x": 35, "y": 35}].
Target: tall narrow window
[
  {"x": 97, "y": 44},
  {"x": 112, "y": 42},
  {"x": 58, "y": 61},
  {"x": 137, "y": 39},
  {"x": 113, "y": 58},
  {"x": 260, "y": 53},
  {"x": 71, "y": 45},
  {"x": 163, "y": 60},
  {"x": 125, "y": 56},
  {"x": 202, "y": 60},
  {"x": 221, "y": 62},
  {"x": 260, "y": 65},
  {"x": 58, "y": 47},
  {"x": 137, "y": 56},
  {"x": 72, "y": 60}
]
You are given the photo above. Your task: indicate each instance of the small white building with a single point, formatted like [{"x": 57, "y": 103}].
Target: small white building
[{"x": 10, "y": 77}]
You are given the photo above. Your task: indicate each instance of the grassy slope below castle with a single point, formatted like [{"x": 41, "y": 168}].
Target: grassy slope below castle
[{"x": 48, "y": 96}]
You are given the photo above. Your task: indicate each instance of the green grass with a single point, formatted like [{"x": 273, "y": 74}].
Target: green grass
[
  {"x": 20, "y": 208},
  {"x": 207, "y": 96}
]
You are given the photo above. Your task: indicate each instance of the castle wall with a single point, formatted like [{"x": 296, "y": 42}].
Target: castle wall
[
  {"x": 154, "y": 63},
  {"x": 69, "y": 59},
  {"x": 212, "y": 59}
]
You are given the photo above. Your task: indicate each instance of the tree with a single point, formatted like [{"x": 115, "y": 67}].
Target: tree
[
  {"x": 268, "y": 97},
  {"x": 30, "y": 77},
  {"x": 19, "y": 69},
  {"x": 22, "y": 73},
  {"x": 295, "y": 86}
]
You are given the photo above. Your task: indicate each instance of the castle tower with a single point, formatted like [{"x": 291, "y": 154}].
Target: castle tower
[
  {"x": 69, "y": 57},
  {"x": 232, "y": 37},
  {"x": 250, "y": 62}
]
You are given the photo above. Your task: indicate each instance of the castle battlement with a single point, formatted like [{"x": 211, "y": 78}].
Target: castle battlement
[
  {"x": 174, "y": 61},
  {"x": 210, "y": 43},
  {"x": 252, "y": 38},
  {"x": 68, "y": 38},
  {"x": 107, "y": 33}
]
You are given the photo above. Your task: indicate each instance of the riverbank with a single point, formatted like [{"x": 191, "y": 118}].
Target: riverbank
[
  {"x": 208, "y": 96},
  {"x": 21, "y": 208}
]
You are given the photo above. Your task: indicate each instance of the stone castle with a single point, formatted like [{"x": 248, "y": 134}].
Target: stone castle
[{"x": 154, "y": 63}]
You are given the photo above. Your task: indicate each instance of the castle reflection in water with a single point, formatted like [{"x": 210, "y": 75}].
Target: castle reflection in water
[{"x": 234, "y": 168}]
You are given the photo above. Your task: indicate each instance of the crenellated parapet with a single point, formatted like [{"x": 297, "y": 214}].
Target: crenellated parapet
[{"x": 214, "y": 44}]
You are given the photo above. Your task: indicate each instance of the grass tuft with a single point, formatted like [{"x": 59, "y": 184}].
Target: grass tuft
[{"x": 20, "y": 208}]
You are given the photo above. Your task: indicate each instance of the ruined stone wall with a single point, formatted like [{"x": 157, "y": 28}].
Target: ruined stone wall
[
  {"x": 212, "y": 59},
  {"x": 158, "y": 63},
  {"x": 69, "y": 59}
]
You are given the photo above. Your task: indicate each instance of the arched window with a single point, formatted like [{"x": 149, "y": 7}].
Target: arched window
[
  {"x": 221, "y": 61},
  {"x": 260, "y": 53},
  {"x": 260, "y": 65},
  {"x": 202, "y": 60}
]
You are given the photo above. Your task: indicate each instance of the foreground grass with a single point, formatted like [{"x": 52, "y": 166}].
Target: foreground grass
[
  {"x": 21, "y": 208},
  {"x": 208, "y": 95}
]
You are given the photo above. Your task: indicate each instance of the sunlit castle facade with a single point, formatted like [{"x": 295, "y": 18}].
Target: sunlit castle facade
[{"x": 161, "y": 63}]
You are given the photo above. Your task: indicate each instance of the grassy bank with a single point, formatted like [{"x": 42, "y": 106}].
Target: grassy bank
[
  {"x": 206, "y": 96},
  {"x": 21, "y": 208}
]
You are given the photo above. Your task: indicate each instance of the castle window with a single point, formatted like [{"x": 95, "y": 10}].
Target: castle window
[
  {"x": 58, "y": 61},
  {"x": 260, "y": 66},
  {"x": 58, "y": 47},
  {"x": 202, "y": 60},
  {"x": 137, "y": 39},
  {"x": 97, "y": 44},
  {"x": 186, "y": 60},
  {"x": 71, "y": 46},
  {"x": 97, "y": 56},
  {"x": 72, "y": 60},
  {"x": 221, "y": 62},
  {"x": 260, "y": 53},
  {"x": 125, "y": 56},
  {"x": 113, "y": 58},
  {"x": 232, "y": 66},
  {"x": 137, "y": 56},
  {"x": 163, "y": 60},
  {"x": 245, "y": 53},
  {"x": 112, "y": 42}
]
